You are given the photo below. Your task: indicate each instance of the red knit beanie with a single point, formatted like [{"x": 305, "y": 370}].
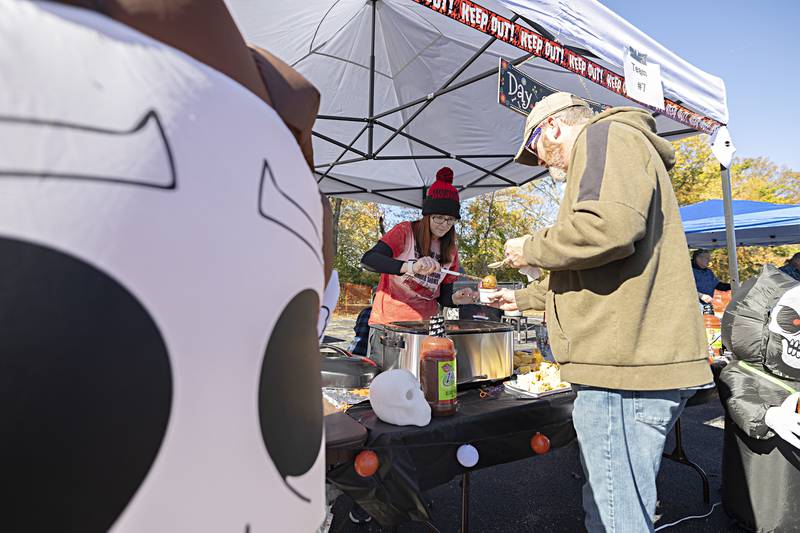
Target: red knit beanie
[{"x": 442, "y": 197}]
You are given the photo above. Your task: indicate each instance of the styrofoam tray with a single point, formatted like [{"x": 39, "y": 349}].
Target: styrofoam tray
[{"x": 511, "y": 385}]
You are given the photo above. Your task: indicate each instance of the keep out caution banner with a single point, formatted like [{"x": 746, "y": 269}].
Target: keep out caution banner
[{"x": 488, "y": 22}]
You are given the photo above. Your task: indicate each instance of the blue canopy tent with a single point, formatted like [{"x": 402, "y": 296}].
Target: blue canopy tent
[{"x": 755, "y": 223}]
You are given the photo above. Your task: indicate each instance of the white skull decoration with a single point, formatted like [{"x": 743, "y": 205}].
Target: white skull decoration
[
  {"x": 397, "y": 399},
  {"x": 785, "y": 321}
]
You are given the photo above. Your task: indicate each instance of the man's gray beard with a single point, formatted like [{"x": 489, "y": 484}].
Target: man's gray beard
[
  {"x": 558, "y": 174},
  {"x": 558, "y": 163}
]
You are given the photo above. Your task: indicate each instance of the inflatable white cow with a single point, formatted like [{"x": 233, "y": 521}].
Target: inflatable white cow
[{"x": 160, "y": 272}]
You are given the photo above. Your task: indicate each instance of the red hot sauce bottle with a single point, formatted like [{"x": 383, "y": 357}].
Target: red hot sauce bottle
[{"x": 437, "y": 370}]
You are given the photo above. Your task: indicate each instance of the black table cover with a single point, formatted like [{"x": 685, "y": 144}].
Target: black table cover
[{"x": 414, "y": 459}]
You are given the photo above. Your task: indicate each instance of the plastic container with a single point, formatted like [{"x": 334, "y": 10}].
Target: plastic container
[
  {"x": 485, "y": 293},
  {"x": 713, "y": 329},
  {"x": 437, "y": 372},
  {"x": 721, "y": 301}
]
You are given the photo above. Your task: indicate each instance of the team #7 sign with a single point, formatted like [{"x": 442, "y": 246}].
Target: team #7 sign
[{"x": 501, "y": 28}]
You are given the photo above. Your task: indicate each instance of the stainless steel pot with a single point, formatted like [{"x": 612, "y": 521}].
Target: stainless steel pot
[
  {"x": 340, "y": 368},
  {"x": 484, "y": 350}
]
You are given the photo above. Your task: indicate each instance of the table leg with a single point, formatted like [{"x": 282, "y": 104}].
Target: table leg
[
  {"x": 431, "y": 527},
  {"x": 465, "y": 502},
  {"x": 679, "y": 455}
]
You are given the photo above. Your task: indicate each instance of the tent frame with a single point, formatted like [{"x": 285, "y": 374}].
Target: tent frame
[
  {"x": 374, "y": 119},
  {"x": 730, "y": 232}
]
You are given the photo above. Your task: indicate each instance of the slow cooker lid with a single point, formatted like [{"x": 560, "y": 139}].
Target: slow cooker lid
[{"x": 454, "y": 327}]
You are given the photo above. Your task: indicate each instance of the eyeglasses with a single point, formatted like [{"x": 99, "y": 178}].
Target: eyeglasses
[
  {"x": 531, "y": 144},
  {"x": 441, "y": 219}
]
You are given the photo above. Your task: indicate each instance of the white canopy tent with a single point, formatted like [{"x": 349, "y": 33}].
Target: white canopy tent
[{"x": 411, "y": 85}]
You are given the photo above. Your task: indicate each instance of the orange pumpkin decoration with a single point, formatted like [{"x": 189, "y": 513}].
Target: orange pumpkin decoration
[
  {"x": 367, "y": 463},
  {"x": 540, "y": 444}
]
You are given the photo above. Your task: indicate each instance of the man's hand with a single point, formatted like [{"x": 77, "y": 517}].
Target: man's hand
[
  {"x": 706, "y": 298},
  {"x": 503, "y": 299},
  {"x": 513, "y": 250},
  {"x": 465, "y": 296},
  {"x": 785, "y": 421},
  {"x": 426, "y": 265}
]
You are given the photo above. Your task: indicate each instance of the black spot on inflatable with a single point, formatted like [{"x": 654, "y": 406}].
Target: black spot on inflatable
[
  {"x": 289, "y": 393},
  {"x": 85, "y": 390}
]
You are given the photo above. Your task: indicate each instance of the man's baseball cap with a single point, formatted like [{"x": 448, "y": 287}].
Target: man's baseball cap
[{"x": 549, "y": 105}]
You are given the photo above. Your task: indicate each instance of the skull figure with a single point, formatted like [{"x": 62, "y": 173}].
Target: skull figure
[
  {"x": 397, "y": 399},
  {"x": 785, "y": 321}
]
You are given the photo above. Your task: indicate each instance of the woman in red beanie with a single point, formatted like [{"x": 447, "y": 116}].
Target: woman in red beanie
[{"x": 411, "y": 255}]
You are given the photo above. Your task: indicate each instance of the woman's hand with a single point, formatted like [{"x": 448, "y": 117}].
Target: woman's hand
[
  {"x": 426, "y": 265},
  {"x": 706, "y": 298},
  {"x": 465, "y": 297}
]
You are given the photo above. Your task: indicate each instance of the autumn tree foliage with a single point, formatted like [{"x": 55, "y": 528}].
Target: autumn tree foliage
[
  {"x": 696, "y": 177},
  {"x": 356, "y": 230},
  {"x": 488, "y": 221},
  {"x": 491, "y": 219}
]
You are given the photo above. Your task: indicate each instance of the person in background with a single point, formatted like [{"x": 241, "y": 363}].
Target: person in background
[
  {"x": 792, "y": 267},
  {"x": 330, "y": 294},
  {"x": 704, "y": 279},
  {"x": 621, "y": 315},
  {"x": 410, "y": 258},
  {"x": 361, "y": 329}
]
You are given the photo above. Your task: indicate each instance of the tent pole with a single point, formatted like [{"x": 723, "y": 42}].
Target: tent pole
[
  {"x": 442, "y": 156},
  {"x": 344, "y": 152},
  {"x": 443, "y": 152},
  {"x": 474, "y": 182},
  {"x": 730, "y": 232},
  {"x": 339, "y": 144},
  {"x": 342, "y": 118},
  {"x": 340, "y": 162},
  {"x": 371, "y": 81}
]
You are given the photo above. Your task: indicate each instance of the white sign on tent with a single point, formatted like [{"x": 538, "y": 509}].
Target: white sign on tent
[{"x": 643, "y": 79}]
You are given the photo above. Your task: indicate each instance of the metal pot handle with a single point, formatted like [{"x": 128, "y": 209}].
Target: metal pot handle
[
  {"x": 392, "y": 342},
  {"x": 346, "y": 353}
]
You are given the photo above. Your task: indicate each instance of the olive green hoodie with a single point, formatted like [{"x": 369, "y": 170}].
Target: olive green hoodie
[{"x": 620, "y": 302}]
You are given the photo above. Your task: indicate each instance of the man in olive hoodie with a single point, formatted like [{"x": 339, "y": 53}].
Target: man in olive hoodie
[{"x": 620, "y": 300}]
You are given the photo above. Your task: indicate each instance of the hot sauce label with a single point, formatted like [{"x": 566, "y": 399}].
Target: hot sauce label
[
  {"x": 447, "y": 380},
  {"x": 714, "y": 336}
]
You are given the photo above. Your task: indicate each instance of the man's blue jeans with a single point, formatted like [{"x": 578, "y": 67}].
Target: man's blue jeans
[{"x": 621, "y": 436}]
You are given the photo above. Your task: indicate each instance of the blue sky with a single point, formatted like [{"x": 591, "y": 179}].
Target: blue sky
[{"x": 754, "y": 46}]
